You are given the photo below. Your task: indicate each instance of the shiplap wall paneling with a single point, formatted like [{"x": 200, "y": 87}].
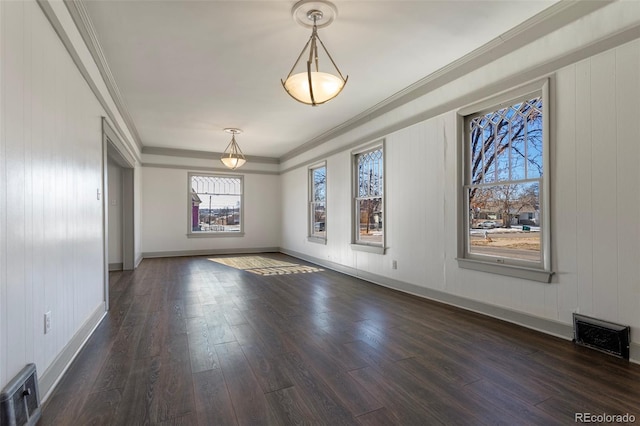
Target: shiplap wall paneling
[
  {"x": 294, "y": 216},
  {"x": 40, "y": 146},
  {"x": 339, "y": 205},
  {"x": 628, "y": 180},
  {"x": 603, "y": 178},
  {"x": 13, "y": 135},
  {"x": 433, "y": 150},
  {"x": 452, "y": 276},
  {"x": 564, "y": 200},
  {"x": 584, "y": 254},
  {"x": 412, "y": 212},
  {"x": 3, "y": 209},
  {"x": 52, "y": 256}
]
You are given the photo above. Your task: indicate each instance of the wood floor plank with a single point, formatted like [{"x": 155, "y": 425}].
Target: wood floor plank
[
  {"x": 139, "y": 392},
  {"x": 381, "y": 417},
  {"x": 322, "y": 401},
  {"x": 212, "y": 400},
  {"x": 154, "y": 332},
  {"x": 219, "y": 330},
  {"x": 318, "y": 341},
  {"x": 447, "y": 401},
  {"x": 249, "y": 402},
  {"x": 290, "y": 408},
  {"x": 99, "y": 408},
  {"x": 352, "y": 394},
  {"x": 268, "y": 370},
  {"x": 398, "y": 402},
  {"x": 522, "y": 412},
  {"x": 174, "y": 395},
  {"x": 201, "y": 349}
]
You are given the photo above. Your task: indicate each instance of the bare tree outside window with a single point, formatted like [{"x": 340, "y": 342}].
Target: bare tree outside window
[
  {"x": 369, "y": 197},
  {"x": 504, "y": 178}
]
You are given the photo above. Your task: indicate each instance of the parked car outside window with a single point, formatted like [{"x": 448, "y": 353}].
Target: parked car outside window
[{"x": 488, "y": 224}]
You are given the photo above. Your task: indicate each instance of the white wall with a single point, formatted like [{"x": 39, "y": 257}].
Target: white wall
[
  {"x": 594, "y": 179},
  {"x": 165, "y": 214},
  {"x": 51, "y": 155},
  {"x": 114, "y": 201}
]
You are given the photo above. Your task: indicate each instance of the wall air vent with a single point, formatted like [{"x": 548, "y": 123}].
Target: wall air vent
[
  {"x": 601, "y": 335},
  {"x": 20, "y": 400}
]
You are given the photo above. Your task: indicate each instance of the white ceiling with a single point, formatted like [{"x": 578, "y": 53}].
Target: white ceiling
[{"x": 188, "y": 69}]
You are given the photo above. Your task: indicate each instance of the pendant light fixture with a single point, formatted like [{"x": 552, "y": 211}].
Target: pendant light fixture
[
  {"x": 312, "y": 86},
  {"x": 233, "y": 156}
]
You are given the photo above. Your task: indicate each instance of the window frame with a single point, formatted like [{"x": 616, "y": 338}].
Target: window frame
[
  {"x": 537, "y": 271},
  {"x": 311, "y": 204},
  {"x": 213, "y": 234},
  {"x": 356, "y": 243}
]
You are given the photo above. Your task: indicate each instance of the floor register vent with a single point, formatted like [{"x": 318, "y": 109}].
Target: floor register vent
[
  {"x": 20, "y": 400},
  {"x": 601, "y": 335}
]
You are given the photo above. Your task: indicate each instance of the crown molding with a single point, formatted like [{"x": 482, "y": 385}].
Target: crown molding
[
  {"x": 211, "y": 169},
  {"x": 549, "y": 20},
  {"x": 203, "y": 155},
  {"x": 81, "y": 18}
]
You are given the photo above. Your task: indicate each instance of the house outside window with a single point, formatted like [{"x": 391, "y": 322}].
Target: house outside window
[
  {"x": 215, "y": 205},
  {"x": 318, "y": 203},
  {"x": 505, "y": 191},
  {"x": 368, "y": 217}
]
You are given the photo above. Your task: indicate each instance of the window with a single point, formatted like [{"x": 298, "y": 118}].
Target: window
[
  {"x": 215, "y": 205},
  {"x": 505, "y": 191},
  {"x": 369, "y": 199},
  {"x": 318, "y": 203}
]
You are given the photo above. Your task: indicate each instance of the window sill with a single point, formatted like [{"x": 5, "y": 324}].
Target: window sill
[
  {"x": 317, "y": 240},
  {"x": 368, "y": 248},
  {"x": 508, "y": 270},
  {"x": 215, "y": 235}
]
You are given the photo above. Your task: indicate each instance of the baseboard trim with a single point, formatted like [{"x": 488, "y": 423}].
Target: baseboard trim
[
  {"x": 52, "y": 375},
  {"x": 554, "y": 328},
  {"x": 209, "y": 252},
  {"x": 634, "y": 352},
  {"x": 115, "y": 266}
]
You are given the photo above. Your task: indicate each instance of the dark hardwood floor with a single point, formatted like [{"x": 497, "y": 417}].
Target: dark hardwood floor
[{"x": 189, "y": 341}]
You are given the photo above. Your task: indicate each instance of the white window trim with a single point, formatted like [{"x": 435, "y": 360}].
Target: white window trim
[
  {"x": 204, "y": 234},
  {"x": 495, "y": 265},
  {"x": 310, "y": 225},
  {"x": 357, "y": 245}
]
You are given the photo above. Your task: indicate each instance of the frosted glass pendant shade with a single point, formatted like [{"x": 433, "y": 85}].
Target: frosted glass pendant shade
[
  {"x": 233, "y": 162},
  {"x": 325, "y": 87}
]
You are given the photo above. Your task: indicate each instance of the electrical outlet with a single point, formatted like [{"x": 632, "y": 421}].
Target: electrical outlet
[
  {"x": 394, "y": 264},
  {"x": 47, "y": 322}
]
